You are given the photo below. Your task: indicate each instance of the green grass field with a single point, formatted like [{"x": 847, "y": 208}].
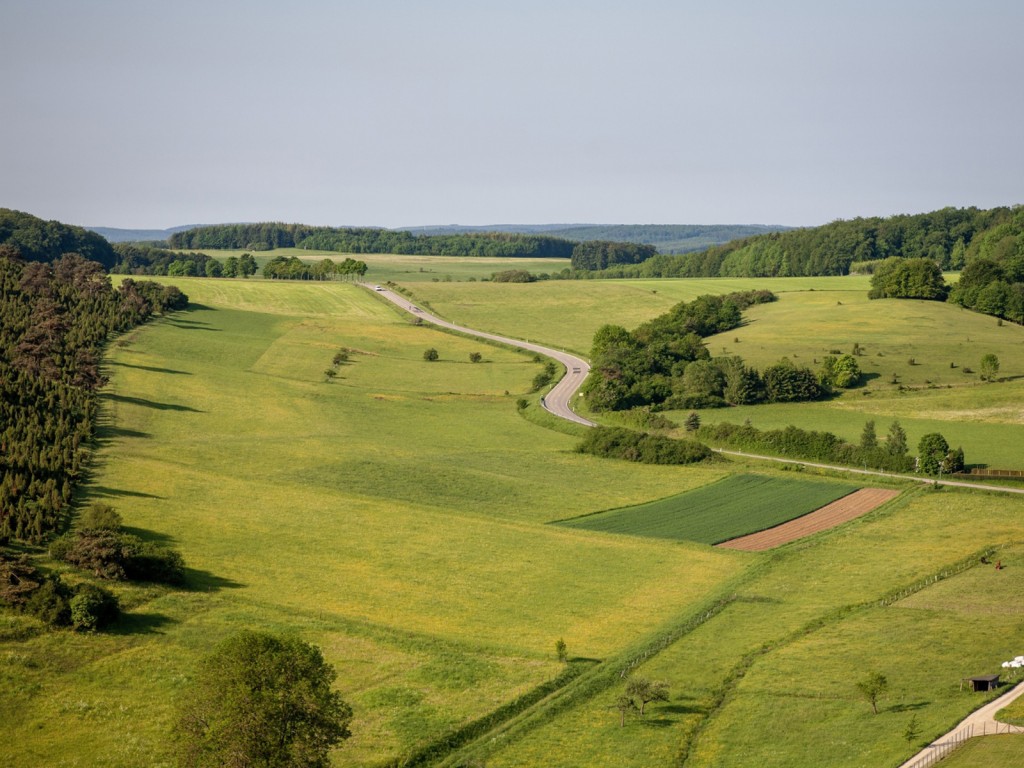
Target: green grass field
[
  {"x": 987, "y": 752},
  {"x": 398, "y": 514},
  {"x": 734, "y": 506}
]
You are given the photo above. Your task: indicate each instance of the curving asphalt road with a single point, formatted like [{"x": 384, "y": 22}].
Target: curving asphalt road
[{"x": 557, "y": 400}]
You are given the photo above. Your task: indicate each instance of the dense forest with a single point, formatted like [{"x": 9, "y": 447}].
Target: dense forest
[
  {"x": 54, "y": 319},
  {"x": 268, "y": 236},
  {"x": 950, "y": 237},
  {"x": 38, "y": 240},
  {"x": 664, "y": 363}
]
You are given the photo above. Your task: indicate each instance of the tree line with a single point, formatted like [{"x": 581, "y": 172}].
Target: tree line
[
  {"x": 135, "y": 259},
  {"x": 54, "y": 320},
  {"x": 950, "y": 237},
  {"x": 934, "y": 455},
  {"x": 357, "y": 240},
  {"x": 293, "y": 268}
]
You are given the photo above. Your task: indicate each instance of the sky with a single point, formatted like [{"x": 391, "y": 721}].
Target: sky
[{"x": 154, "y": 114}]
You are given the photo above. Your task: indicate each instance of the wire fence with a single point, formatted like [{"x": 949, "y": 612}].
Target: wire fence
[{"x": 942, "y": 749}]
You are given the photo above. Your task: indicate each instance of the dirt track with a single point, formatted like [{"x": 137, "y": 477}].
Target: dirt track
[{"x": 851, "y": 506}]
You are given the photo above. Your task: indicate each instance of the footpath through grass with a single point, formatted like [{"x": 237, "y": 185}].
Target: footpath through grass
[{"x": 732, "y": 507}]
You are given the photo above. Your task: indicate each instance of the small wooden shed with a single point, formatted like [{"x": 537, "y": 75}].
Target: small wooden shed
[{"x": 981, "y": 683}]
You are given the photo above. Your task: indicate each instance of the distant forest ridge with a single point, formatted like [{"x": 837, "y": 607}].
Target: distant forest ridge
[
  {"x": 951, "y": 237},
  {"x": 592, "y": 254},
  {"x": 667, "y": 238},
  {"x": 115, "y": 235}
]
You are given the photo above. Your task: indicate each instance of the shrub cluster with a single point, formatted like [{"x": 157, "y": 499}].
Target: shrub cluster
[
  {"x": 101, "y": 546},
  {"x": 24, "y": 588},
  {"x": 119, "y": 556},
  {"x": 621, "y": 443}
]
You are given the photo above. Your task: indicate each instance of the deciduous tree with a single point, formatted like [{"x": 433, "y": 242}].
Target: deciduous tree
[{"x": 262, "y": 700}]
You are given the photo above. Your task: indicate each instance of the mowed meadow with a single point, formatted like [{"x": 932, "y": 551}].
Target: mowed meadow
[{"x": 398, "y": 516}]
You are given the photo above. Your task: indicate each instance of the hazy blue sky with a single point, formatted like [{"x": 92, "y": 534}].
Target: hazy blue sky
[{"x": 153, "y": 113}]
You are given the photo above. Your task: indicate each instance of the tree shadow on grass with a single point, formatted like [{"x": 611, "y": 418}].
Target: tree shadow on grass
[
  {"x": 105, "y": 492},
  {"x": 147, "y": 535},
  {"x": 151, "y": 368},
  {"x": 187, "y": 324},
  {"x": 204, "y": 581},
  {"x": 657, "y": 722},
  {"x": 140, "y": 624},
  {"x": 149, "y": 403},
  {"x": 104, "y": 434}
]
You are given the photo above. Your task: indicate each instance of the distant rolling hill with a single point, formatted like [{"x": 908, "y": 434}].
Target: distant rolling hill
[
  {"x": 115, "y": 235},
  {"x": 667, "y": 238}
]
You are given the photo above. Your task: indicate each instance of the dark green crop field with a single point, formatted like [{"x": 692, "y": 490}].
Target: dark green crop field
[{"x": 734, "y": 506}]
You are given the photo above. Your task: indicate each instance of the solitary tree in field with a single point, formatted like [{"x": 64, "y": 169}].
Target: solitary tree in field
[
  {"x": 430, "y": 355},
  {"x": 872, "y": 688},
  {"x": 561, "y": 650},
  {"x": 989, "y": 367},
  {"x": 646, "y": 691},
  {"x": 262, "y": 700},
  {"x": 475, "y": 357},
  {"x": 692, "y": 422}
]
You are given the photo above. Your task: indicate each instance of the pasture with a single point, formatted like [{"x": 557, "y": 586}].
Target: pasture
[
  {"x": 394, "y": 515},
  {"x": 398, "y": 516},
  {"x": 734, "y": 506}
]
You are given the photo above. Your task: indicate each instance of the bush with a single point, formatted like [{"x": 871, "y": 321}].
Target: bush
[
  {"x": 620, "y": 443},
  {"x": 100, "y": 517},
  {"x": 117, "y": 556},
  {"x": 431, "y": 355},
  {"x": 146, "y": 561},
  {"x": 93, "y": 608},
  {"x": 50, "y": 603}
]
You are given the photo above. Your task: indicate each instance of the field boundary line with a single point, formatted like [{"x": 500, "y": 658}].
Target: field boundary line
[
  {"x": 872, "y": 472},
  {"x": 736, "y": 674}
]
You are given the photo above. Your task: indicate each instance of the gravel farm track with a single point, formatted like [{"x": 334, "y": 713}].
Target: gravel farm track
[{"x": 840, "y": 511}]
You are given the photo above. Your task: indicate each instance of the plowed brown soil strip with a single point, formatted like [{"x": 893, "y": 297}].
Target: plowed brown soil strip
[{"x": 838, "y": 512}]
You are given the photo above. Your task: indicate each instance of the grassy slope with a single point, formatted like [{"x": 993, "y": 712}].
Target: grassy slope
[
  {"x": 804, "y": 632},
  {"x": 813, "y": 317},
  {"x": 392, "y": 515},
  {"x": 424, "y": 573},
  {"x": 987, "y": 752}
]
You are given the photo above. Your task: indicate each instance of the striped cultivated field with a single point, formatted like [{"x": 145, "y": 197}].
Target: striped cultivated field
[
  {"x": 732, "y": 507},
  {"x": 838, "y": 512}
]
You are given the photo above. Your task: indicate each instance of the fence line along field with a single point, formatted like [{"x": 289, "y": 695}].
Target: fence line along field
[
  {"x": 732, "y": 507},
  {"x": 838, "y": 512}
]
